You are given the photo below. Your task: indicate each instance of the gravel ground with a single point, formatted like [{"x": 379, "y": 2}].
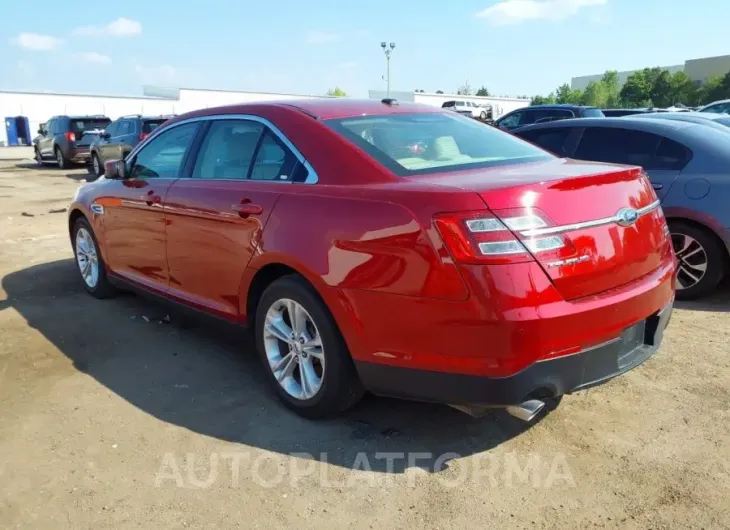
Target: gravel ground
[{"x": 111, "y": 420}]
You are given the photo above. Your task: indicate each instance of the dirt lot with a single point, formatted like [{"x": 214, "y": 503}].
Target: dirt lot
[{"x": 107, "y": 420}]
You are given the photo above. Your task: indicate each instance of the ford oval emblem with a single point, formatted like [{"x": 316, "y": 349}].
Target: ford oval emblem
[{"x": 627, "y": 216}]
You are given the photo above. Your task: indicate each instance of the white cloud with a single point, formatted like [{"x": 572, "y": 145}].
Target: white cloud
[
  {"x": 348, "y": 65},
  {"x": 515, "y": 11},
  {"x": 36, "y": 42},
  {"x": 121, "y": 27},
  {"x": 321, "y": 37},
  {"x": 94, "y": 58}
]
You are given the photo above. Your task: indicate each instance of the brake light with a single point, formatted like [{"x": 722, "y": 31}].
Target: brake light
[
  {"x": 142, "y": 136},
  {"x": 486, "y": 237},
  {"x": 70, "y": 136}
]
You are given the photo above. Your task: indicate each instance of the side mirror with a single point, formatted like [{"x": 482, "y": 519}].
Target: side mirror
[
  {"x": 105, "y": 135},
  {"x": 114, "y": 169},
  {"x": 41, "y": 131}
]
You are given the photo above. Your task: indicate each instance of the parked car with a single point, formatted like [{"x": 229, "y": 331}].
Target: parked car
[
  {"x": 469, "y": 108},
  {"x": 719, "y": 107},
  {"x": 712, "y": 119},
  {"x": 689, "y": 167},
  {"x": 615, "y": 113},
  {"x": 120, "y": 137},
  {"x": 392, "y": 247},
  {"x": 66, "y": 139},
  {"x": 545, "y": 113}
]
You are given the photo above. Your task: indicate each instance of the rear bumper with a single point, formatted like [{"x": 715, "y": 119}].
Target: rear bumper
[
  {"x": 552, "y": 377},
  {"x": 79, "y": 154}
]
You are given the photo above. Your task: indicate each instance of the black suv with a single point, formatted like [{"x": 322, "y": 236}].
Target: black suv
[
  {"x": 545, "y": 113},
  {"x": 120, "y": 137},
  {"x": 66, "y": 139}
]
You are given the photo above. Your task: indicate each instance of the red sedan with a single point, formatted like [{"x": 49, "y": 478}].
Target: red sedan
[{"x": 396, "y": 248}]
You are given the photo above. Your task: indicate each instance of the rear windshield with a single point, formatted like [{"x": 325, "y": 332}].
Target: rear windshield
[
  {"x": 593, "y": 113},
  {"x": 414, "y": 144},
  {"x": 150, "y": 125},
  {"x": 80, "y": 126}
]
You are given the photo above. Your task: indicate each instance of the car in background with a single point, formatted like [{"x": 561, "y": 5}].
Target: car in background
[
  {"x": 120, "y": 137},
  {"x": 510, "y": 278},
  {"x": 545, "y": 113},
  {"x": 688, "y": 165},
  {"x": 719, "y": 107},
  {"x": 615, "y": 113},
  {"x": 66, "y": 139},
  {"x": 711, "y": 119},
  {"x": 469, "y": 108}
]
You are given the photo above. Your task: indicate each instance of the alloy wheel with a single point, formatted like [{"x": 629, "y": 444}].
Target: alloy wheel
[
  {"x": 97, "y": 166},
  {"x": 294, "y": 349},
  {"x": 87, "y": 257},
  {"x": 692, "y": 260}
]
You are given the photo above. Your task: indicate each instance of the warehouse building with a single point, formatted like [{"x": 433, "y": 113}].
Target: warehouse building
[
  {"x": 23, "y": 112},
  {"x": 697, "y": 69}
]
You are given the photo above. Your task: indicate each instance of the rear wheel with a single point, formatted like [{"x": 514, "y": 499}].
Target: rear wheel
[
  {"x": 60, "y": 159},
  {"x": 701, "y": 260},
  {"x": 483, "y": 116},
  {"x": 303, "y": 353}
]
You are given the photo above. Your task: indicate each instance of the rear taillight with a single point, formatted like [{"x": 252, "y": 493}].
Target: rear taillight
[
  {"x": 485, "y": 237},
  {"x": 70, "y": 136},
  {"x": 143, "y": 136}
]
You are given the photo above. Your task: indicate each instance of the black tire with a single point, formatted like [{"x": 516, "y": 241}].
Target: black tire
[
  {"x": 483, "y": 116},
  {"x": 38, "y": 157},
  {"x": 716, "y": 259},
  {"x": 61, "y": 160},
  {"x": 341, "y": 388},
  {"x": 103, "y": 288},
  {"x": 95, "y": 173}
]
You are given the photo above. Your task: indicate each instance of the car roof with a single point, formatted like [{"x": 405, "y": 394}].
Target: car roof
[
  {"x": 559, "y": 106},
  {"x": 642, "y": 123},
  {"x": 327, "y": 108}
]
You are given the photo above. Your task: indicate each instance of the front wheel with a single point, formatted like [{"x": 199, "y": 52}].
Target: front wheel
[
  {"x": 701, "y": 260},
  {"x": 303, "y": 353},
  {"x": 38, "y": 157},
  {"x": 96, "y": 169},
  {"x": 89, "y": 261}
]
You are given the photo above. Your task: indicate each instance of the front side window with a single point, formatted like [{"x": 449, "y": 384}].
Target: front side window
[
  {"x": 720, "y": 108},
  {"x": 111, "y": 129},
  {"x": 413, "y": 144},
  {"x": 163, "y": 157},
  {"x": 552, "y": 140},
  {"x": 513, "y": 120}
]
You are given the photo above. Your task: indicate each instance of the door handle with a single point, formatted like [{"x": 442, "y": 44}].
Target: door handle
[
  {"x": 247, "y": 208},
  {"x": 657, "y": 186},
  {"x": 150, "y": 198}
]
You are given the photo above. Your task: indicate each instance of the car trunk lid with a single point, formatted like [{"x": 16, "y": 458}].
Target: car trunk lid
[{"x": 608, "y": 217}]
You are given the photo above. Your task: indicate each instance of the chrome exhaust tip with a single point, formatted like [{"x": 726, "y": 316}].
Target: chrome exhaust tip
[{"x": 526, "y": 411}]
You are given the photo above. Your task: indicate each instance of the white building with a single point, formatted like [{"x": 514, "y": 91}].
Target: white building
[{"x": 500, "y": 106}]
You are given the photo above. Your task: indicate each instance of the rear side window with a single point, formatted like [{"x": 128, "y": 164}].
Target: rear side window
[
  {"x": 150, "y": 125},
  {"x": 624, "y": 146},
  {"x": 592, "y": 113},
  {"x": 413, "y": 144},
  {"x": 552, "y": 140},
  {"x": 273, "y": 160}
]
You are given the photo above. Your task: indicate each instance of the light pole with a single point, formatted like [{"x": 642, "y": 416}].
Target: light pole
[{"x": 388, "y": 51}]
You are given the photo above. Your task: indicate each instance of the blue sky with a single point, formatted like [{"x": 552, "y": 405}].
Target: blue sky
[{"x": 511, "y": 46}]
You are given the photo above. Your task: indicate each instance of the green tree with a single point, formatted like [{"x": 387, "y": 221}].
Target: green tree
[
  {"x": 684, "y": 89},
  {"x": 439, "y": 91},
  {"x": 420, "y": 90},
  {"x": 636, "y": 90},
  {"x": 483, "y": 91},
  {"x": 564, "y": 94},
  {"x": 595, "y": 94},
  {"x": 542, "y": 100},
  {"x": 711, "y": 90},
  {"x": 662, "y": 91},
  {"x": 464, "y": 90},
  {"x": 337, "y": 92},
  {"x": 611, "y": 89}
]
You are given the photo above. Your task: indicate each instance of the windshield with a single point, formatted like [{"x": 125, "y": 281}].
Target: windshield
[
  {"x": 413, "y": 144},
  {"x": 87, "y": 125},
  {"x": 593, "y": 113}
]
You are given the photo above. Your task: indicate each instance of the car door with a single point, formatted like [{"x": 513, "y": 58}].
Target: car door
[
  {"x": 557, "y": 140},
  {"x": 133, "y": 217},
  {"x": 662, "y": 158},
  {"x": 45, "y": 142},
  {"x": 215, "y": 219},
  {"x": 103, "y": 147}
]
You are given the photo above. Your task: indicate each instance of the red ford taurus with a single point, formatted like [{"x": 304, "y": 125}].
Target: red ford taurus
[{"x": 396, "y": 248}]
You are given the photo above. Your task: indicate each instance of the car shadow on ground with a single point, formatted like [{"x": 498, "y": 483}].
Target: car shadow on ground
[
  {"x": 81, "y": 172},
  {"x": 719, "y": 301},
  {"x": 205, "y": 378}
]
